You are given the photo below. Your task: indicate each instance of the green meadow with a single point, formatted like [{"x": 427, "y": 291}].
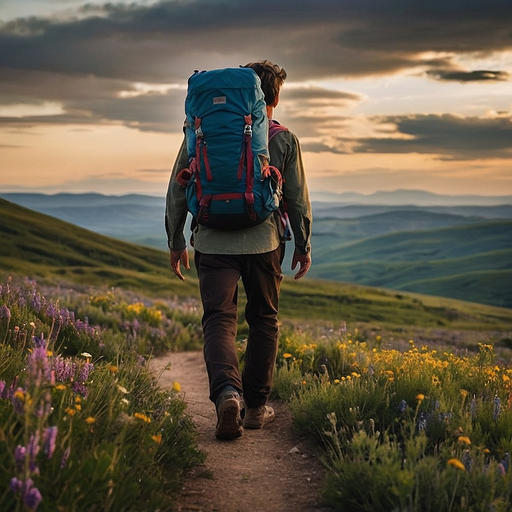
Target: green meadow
[{"x": 408, "y": 396}]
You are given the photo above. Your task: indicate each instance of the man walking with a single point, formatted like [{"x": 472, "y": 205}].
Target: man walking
[{"x": 254, "y": 255}]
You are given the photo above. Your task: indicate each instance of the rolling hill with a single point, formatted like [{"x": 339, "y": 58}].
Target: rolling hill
[
  {"x": 471, "y": 262},
  {"x": 460, "y": 251},
  {"x": 52, "y": 251}
]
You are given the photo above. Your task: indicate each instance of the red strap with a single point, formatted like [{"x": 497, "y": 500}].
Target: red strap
[{"x": 249, "y": 172}]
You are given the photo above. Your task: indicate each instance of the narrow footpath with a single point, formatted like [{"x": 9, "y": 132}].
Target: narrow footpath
[{"x": 267, "y": 470}]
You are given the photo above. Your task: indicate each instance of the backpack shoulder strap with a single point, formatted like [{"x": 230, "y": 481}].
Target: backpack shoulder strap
[{"x": 274, "y": 128}]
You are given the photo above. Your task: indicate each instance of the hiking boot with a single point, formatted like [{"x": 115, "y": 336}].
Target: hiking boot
[
  {"x": 257, "y": 417},
  {"x": 229, "y": 422}
]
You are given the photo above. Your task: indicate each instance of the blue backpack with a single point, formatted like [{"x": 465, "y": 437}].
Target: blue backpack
[{"x": 229, "y": 182}]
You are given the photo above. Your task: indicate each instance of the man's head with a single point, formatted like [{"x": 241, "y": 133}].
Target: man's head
[{"x": 272, "y": 78}]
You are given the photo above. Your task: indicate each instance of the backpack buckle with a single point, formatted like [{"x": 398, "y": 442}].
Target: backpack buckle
[{"x": 248, "y": 130}]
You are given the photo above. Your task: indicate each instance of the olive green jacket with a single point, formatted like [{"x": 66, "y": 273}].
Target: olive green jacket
[{"x": 285, "y": 154}]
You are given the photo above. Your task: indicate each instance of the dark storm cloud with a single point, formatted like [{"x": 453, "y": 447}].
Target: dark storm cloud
[
  {"x": 469, "y": 76},
  {"x": 332, "y": 37},
  {"x": 451, "y": 137}
]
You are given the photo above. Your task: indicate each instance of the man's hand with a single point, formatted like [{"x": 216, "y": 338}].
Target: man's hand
[
  {"x": 177, "y": 258},
  {"x": 304, "y": 261}
]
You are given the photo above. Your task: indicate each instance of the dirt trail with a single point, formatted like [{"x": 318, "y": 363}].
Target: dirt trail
[{"x": 267, "y": 470}]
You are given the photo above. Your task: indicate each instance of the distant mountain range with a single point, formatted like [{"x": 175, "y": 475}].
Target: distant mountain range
[
  {"x": 460, "y": 250},
  {"x": 410, "y": 197}
]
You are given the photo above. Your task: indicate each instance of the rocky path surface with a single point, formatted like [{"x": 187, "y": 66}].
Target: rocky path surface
[{"x": 267, "y": 470}]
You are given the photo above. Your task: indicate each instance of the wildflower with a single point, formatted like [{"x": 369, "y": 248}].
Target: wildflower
[
  {"x": 402, "y": 406},
  {"x": 60, "y": 387},
  {"x": 50, "y": 437},
  {"x": 65, "y": 457},
  {"x": 90, "y": 420},
  {"x": 422, "y": 423},
  {"x": 157, "y": 438},
  {"x": 176, "y": 386},
  {"x": 464, "y": 440},
  {"x": 456, "y": 463},
  {"x": 20, "y": 453},
  {"x": 420, "y": 397},
  {"x": 123, "y": 389},
  {"x": 287, "y": 355},
  {"x": 505, "y": 462},
  {"x": 142, "y": 417},
  {"x": 5, "y": 312},
  {"x": 38, "y": 365},
  {"x": 70, "y": 411},
  {"x": 113, "y": 369}
]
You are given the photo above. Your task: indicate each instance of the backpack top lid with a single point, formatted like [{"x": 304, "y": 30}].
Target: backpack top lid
[
  {"x": 221, "y": 98},
  {"x": 206, "y": 82}
]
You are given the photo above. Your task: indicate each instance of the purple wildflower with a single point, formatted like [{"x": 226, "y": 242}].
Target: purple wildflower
[
  {"x": 64, "y": 369},
  {"x": 505, "y": 462},
  {"x": 32, "y": 498},
  {"x": 35, "y": 301},
  {"x": 2, "y": 388},
  {"x": 33, "y": 449},
  {"x": 30, "y": 494},
  {"x": 50, "y": 436},
  {"x": 5, "y": 312},
  {"x": 15, "y": 484},
  {"x": 402, "y": 406},
  {"x": 65, "y": 457},
  {"x": 20, "y": 452},
  {"x": 38, "y": 366}
]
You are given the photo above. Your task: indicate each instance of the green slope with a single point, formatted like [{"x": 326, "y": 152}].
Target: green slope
[
  {"x": 470, "y": 262},
  {"x": 47, "y": 249},
  {"x": 52, "y": 251}
]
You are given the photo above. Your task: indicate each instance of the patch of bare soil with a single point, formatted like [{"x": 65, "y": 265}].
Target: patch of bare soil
[{"x": 265, "y": 470}]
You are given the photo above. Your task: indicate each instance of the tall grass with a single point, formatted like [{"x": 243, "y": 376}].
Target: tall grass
[
  {"x": 409, "y": 430},
  {"x": 83, "y": 424}
]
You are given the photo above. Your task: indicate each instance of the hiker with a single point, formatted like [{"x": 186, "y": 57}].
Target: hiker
[{"x": 254, "y": 255}]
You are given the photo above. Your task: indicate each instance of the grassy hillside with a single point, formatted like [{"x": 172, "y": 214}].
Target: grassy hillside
[
  {"x": 47, "y": 249},
  {"x": 52, "y": 251},
  {"x": 472, "y": 262}
]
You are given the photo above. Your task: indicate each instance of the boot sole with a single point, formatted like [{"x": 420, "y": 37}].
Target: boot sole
[{"x": 228, "y": 426}]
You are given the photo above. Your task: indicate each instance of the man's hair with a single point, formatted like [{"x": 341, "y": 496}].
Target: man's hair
[{"x": 272, "y": 78}]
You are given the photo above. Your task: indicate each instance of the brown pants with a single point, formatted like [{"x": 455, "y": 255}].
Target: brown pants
[{"x": 218, "y": 282}]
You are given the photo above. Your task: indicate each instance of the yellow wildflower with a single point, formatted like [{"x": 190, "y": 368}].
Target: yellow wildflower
[
  {"x": 176, "y": 386},
  {"x": 287, "y": 355},
  {"x": 90, "y": 420},
  {"x": 456, "y": 463},
  {"x": 60, "y": 387},
  {"x": 70, "y": 411},
  {"x": 157, "y": 438},
  {"x": 420, "y": 397},
  {"x": 142, "y": 417},
  {"x": 113, "y": 369},
  {"x": 464, "y": 440}
]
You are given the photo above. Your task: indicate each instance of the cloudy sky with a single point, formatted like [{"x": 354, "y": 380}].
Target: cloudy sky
[{"x": 382, "y": 94}]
